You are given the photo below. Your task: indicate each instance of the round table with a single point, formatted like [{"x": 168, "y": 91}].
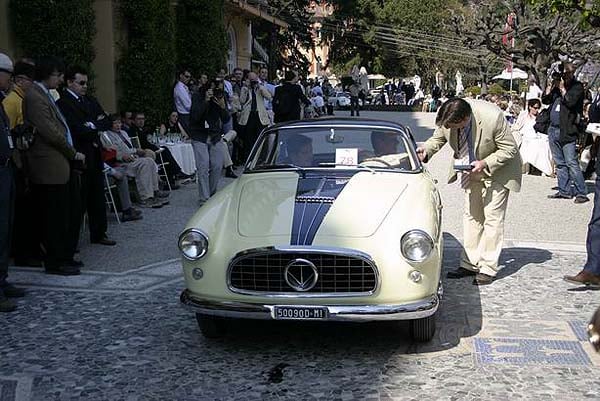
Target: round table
[{"x": 183, "y": 153}]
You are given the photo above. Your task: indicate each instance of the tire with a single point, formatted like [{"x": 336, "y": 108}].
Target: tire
[
  {"x": 211, "y": 326},
  {"x": 423, "y": 330}
]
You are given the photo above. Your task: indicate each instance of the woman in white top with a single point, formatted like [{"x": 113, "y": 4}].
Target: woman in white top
[
  {"x": 533, "y": 146},
  {"x": 526, "y": 121}
]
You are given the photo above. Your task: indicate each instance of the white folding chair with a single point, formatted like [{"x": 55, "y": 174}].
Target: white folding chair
[
  {"x": 108, "y": 196},
  {"x": 162, "y": 169}
]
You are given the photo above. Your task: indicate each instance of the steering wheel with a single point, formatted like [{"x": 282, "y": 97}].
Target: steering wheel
[{"x": 376, "y": 160}]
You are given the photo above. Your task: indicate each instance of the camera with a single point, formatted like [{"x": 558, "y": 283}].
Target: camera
[
  {"x": 218, "y": 93},
  {"x": 556, "y": 71}
]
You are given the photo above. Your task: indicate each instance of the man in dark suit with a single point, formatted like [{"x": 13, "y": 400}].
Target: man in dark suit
[
  {"x": 50, "y": 157},
  {"x": 85, "y": 118},
  {"x": 287, "y": 98},
  {"x": 7, "y": 192}
]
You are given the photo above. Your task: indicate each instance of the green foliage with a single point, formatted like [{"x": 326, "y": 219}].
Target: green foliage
[
  {"x": 395, "y": 37},
  {"x": 474, "y": 90},
  {"x": 63, "y": 29},
  {"x": 146, "y": 70},
  {"x": 496, "y": 89},
  {"x": 201, "y": 36},
  {"x": 285, "y": 44}
]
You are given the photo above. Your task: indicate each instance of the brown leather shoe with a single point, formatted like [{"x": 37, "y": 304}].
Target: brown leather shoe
[
  {"x": 483, "y": 279},
  {"x": 460, "y": 273},
  {"x": 584, "y": 277},
  {"x": 594, "y": 330}
]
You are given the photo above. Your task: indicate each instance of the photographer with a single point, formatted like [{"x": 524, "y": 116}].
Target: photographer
[
  {"x": 564, "y": 94},
  {"x": 253, "y": 117},
  {"x": 208, "y": 114}
]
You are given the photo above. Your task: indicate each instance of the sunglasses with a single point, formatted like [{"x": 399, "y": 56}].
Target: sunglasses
[{"x": 83, "y": 83}]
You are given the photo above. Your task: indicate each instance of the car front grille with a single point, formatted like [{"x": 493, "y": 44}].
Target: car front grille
[{"x": 337, "y": 274}]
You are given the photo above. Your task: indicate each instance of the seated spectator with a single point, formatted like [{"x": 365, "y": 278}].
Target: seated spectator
[
  {"x": 173, "y": 126},
  {"x": 534, "y": 147},
  {"x": 139, "y": 130},
  {"x": 128, "y": 212},
  {"x": 133, "y": 163}
]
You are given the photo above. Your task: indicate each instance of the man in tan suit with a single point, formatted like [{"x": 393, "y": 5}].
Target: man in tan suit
[
  {"x": 488, "y": 166},
  {"x": 49, "y": 159}
]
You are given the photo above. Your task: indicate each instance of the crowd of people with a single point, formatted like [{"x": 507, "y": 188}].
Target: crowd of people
[{"x": 59, "y": 148}]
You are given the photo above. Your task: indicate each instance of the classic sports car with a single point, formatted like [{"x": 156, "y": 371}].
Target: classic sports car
[{"x": 332, "y": 219}]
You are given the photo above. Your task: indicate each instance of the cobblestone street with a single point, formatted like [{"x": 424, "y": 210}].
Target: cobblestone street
[{"x": 118, "y": 332}]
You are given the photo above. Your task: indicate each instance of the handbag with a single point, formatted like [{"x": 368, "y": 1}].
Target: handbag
[{"x": 542, "y": 121}]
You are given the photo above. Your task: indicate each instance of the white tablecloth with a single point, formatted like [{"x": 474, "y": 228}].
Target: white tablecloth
[
  {"x": 535, "y": 150},
  {"x": 184, "y": 156}
]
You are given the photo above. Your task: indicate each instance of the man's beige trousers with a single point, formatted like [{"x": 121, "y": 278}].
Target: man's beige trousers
[{"x": 483, "y": 225}]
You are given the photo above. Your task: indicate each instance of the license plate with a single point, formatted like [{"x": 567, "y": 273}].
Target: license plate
[{"x": 300, "y": 313}]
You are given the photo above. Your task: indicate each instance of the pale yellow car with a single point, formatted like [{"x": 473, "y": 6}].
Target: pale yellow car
[{"x": 332, "y": 220}]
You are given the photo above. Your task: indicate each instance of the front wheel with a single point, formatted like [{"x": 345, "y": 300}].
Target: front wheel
[
  {"x": 423, "y": 330},
  {"x": 211, "y": 326}
]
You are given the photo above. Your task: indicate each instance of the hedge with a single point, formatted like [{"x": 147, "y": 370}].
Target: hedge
[
  {"x": 64, "y": 29},
  {"x": 146, "y": 69},
  {"x": 201, "y": 37}
]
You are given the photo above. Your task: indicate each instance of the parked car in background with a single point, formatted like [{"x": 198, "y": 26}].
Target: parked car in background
[
  {"x": 332, "y": 220},
  {"x": 339, "y": 100}
]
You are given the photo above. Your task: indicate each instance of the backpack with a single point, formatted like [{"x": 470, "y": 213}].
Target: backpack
[
  {"x": 542, "y": 121},
  {"x": 282, "y": 103}
]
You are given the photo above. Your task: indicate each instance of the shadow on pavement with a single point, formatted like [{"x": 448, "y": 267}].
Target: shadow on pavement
[{"x": 514, "y": 259}]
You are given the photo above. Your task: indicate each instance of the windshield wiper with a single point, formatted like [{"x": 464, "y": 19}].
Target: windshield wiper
[{"x": 347, "y": 165}]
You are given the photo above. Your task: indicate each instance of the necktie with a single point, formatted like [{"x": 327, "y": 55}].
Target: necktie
[
  {"x": 253, "y": 106},
  {"x": 463, "y": 157},
  {"x": 62, "y": 119}
]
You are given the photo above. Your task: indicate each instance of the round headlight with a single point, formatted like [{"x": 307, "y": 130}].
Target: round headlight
[
  {"x": 416, "y": 245},
  {"x": 193, "y": 244}
]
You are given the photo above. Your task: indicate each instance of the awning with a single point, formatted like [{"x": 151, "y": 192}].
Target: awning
[{"x": 516, "y": 74}]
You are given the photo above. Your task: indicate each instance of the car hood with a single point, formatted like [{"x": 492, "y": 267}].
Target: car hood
[{"x": 302, "y": 207}]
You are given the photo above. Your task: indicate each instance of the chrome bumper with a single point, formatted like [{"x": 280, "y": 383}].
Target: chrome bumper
[{"x": 413, "y": 310}]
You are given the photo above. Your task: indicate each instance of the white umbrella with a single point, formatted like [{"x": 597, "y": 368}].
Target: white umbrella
[{"x": 516, "y": 74}]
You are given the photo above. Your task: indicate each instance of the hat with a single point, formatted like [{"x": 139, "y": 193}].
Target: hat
[
  {"x": 6, "y": 63},
  {"x": 25, "y": 69}
]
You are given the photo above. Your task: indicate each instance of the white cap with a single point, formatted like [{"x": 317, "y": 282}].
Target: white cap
[{"x": 6, "y": 63}]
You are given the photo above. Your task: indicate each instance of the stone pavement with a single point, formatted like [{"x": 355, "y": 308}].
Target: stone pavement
[{"x": 117, "y": 332}]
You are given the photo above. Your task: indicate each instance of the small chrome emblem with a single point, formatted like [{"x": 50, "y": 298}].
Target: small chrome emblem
[{"x": 301, "y": 275}]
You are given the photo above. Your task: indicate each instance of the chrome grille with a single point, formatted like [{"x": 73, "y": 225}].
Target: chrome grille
[{"x": 338, "y": 274}]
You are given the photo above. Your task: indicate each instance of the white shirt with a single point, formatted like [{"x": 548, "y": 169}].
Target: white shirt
[{"x": 183, "y": 99}]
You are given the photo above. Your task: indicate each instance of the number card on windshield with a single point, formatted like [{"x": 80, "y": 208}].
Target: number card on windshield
[{"x": 346, "y": 157}]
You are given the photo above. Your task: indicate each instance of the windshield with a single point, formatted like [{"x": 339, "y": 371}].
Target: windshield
[{"x": 333, "y": 147}]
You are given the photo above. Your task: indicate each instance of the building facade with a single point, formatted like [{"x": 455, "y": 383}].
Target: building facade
[{"x": 110, "y": 31}]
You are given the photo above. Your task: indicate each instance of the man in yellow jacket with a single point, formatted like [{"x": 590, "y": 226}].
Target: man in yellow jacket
[{"x": 488, "y": 166}]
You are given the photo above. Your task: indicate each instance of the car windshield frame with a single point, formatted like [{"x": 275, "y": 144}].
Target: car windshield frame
[{"x": 403, "y": 132}]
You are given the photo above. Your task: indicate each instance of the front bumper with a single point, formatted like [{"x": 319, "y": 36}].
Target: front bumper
[{"x": 365, "y": 313}]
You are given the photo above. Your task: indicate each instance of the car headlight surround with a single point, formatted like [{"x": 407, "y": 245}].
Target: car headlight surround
[
  {"x": 416, "y": 246},
  {"x": 193, "y": 244}
]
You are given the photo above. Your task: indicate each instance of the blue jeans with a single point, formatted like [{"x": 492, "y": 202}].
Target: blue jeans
[
  {"x": 568, "y": 172},
  {"x": 593, "y": 235}
]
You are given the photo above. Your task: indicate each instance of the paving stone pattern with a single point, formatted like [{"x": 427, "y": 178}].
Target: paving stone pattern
[{"x": 124, "y": 336}]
